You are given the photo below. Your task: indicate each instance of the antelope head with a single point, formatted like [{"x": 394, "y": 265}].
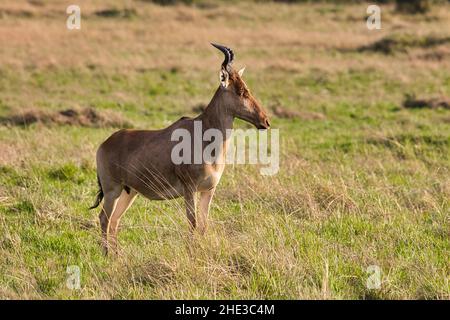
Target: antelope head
[{"x": 238, "y": 99}]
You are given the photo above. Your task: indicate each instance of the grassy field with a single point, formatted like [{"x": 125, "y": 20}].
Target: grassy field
[{"x": 363, "y": 180}]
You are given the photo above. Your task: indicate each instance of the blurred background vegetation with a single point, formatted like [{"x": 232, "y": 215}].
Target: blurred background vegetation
[
  {"x": 364, "y": 164},
  {"x": 405, "y": 6}
]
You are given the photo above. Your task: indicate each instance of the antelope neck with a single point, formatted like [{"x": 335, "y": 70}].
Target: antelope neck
[{"x": 217, "y": 114}]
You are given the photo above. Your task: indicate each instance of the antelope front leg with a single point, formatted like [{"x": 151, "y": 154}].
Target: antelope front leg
[
  {"x": 204, "y": 203},
  {"x": 189, "y": 199}
]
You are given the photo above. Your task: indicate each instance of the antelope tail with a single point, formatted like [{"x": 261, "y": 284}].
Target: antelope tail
[{"x": 99, "y": 195}]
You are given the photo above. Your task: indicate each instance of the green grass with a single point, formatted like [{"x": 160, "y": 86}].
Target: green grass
[{"x": 367, "y": 185}]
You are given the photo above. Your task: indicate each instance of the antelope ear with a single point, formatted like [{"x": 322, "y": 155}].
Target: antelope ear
[
  {"x": 223, "y": 77},
  {"x": 241, "y": 72}
]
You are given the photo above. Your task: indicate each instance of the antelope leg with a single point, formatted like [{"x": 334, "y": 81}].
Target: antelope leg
[
  {"x": 189, "y": 199},
  {"x": 124, "y": 202},
  {"x": 204, "y": 204},
  {"x": 109, "y": 205}
]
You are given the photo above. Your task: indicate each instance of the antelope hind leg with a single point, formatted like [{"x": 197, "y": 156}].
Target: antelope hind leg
[
  {"x": 110, "y": 201},
  {"x": 126, "y": 199}
]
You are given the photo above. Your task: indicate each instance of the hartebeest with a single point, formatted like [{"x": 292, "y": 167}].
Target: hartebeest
[{"x": 139, "y": 161}]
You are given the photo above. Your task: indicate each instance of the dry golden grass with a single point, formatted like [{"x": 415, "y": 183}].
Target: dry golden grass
[
  {"x": 180, "y": 32},
  {"x": 363, "y": 181}
]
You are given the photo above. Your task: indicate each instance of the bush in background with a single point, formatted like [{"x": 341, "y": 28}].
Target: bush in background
[{"x": 413, "y": 6}]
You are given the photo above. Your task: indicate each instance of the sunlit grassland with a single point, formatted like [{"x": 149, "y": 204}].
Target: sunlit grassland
[{"x": 366, "y": 185}]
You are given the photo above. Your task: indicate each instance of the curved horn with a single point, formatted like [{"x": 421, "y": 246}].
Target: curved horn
[{"x": 229, "y": 55}]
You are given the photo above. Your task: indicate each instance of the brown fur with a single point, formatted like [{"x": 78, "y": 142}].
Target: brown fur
[{"x": 139, "y": 161}]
